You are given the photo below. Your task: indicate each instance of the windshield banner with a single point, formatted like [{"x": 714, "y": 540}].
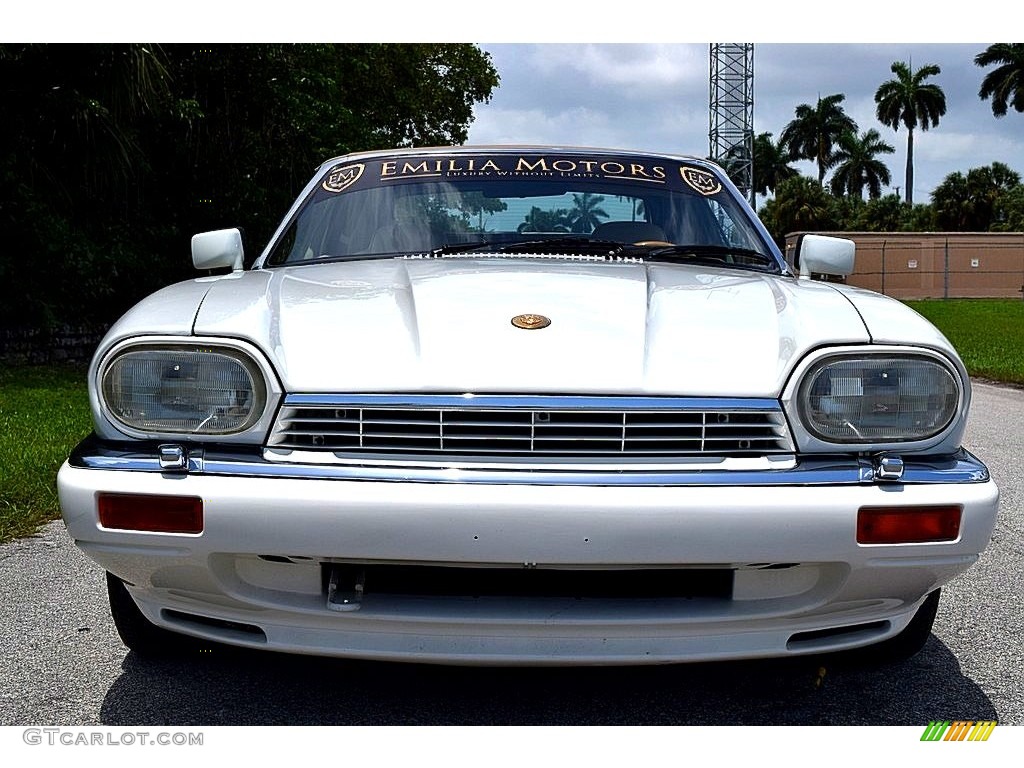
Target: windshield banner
[{"x": 517, "y": 167}]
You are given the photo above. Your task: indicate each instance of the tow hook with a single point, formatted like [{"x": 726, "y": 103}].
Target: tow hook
[
  {"x": 888, "y": 469},
  {"x": 173, "y": 458},
  {"x": 345, "y": 589}
]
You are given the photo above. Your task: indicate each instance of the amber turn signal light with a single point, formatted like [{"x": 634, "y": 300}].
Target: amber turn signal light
[
  {"x": 908, "y": 525},
  {"x": 151, "y": 513}
]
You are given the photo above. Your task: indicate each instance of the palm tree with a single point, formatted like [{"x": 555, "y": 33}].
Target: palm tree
[
  {"x": 857, "y": 165},
  {"x": 882, "y": 214},
  {"x": 815, "y": 130},
  {"x": 587, "y": 213},
  {"x": 800, "y": 204},
  {"x": 771, "y": 164},
  {"x": 909, "y": 100},
  {"x": 538, "y": 220},
  {"x": 951, "y": 201},
  {"x": 1004, "y": 84},
  {"x": 970, "y": 203}
]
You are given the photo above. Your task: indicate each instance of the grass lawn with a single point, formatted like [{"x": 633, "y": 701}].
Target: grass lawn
[
  {"x": 44, "y": 412},
  {"x": 988, "y": 333}
]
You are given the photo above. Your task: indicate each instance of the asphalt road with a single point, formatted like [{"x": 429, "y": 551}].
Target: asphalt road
[{"x": 61, "y": 662}]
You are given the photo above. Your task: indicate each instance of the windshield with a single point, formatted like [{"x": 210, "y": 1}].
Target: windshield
[{"x": 555, "y": 203}]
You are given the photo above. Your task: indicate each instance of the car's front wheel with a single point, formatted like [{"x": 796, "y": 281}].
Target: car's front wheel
[
  {"x": 136, "y": 631},
  {"x": 907, "y": 643},
  {"x": 912, "y": 639}
]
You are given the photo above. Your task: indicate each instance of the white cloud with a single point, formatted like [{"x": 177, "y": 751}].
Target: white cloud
[
  {"x": 577, "y": 126},
  {"x": 643, "y": 67},
  {"x": 951, "y": 148}
]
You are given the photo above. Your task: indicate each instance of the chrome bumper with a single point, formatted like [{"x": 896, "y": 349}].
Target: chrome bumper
[{"x": 960, "y": 467}]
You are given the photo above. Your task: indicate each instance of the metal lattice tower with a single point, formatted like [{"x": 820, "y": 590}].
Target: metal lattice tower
[{"x": 732, "y": 112}]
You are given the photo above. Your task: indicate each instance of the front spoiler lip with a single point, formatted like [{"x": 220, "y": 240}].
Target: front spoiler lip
[{"x": 957, "y": 468}]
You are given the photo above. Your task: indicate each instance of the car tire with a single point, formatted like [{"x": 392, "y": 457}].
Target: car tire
[
  {"x": 137, "y": 632},
  {"x": 911, "y": 640}
]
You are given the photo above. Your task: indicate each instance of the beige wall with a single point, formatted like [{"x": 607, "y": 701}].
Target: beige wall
[{"x": 920, "y": 265}]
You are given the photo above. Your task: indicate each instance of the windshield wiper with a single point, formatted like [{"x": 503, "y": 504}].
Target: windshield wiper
[
  {"x": 562, "y": 245},
  {"x": 541, "y": 246},
  {"x": 717, "y": 254},
  {"x": 459, "y": 247}
]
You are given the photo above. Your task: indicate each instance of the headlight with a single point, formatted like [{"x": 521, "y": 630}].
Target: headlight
[
  {"x": 878, "y": 398},
  {"x": 183, "y": 389}
]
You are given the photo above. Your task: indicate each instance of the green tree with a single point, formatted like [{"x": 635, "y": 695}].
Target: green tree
[
  {"x": 476, "y": 204},
  {"x": 111, "y": 156},
  {"x": 73, "y": 168},
  {"x": 815, "y": 130},
  {"x": 857, "y": 165},
  {"x": 968, "y": 203},
  {"x": 886, "y": 213},
  {"x": 1008, "y": 211},
  {"x": 586, "y": 212},
  {"x": 539, "y": 220},
  {"x": 64, "y": 101},
  {"x": 282, "y": 109},
  {"x": 951, "y": 202},
  {"x": 920, "y": 218},
  {"x": 909, "y": 101},
  {"x": 771, "y": 164},
  {"x": 800, "y": 204},
  {"x": 1004, "y": 84}
]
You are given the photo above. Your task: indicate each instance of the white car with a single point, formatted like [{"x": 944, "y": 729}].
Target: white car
[{"x": 526, "y": 405}]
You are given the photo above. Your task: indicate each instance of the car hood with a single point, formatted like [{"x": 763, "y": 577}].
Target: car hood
[{"x": 444, "y": 325}]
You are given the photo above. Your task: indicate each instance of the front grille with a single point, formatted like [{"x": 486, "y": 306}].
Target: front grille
[{"x": 557, "y": 427}]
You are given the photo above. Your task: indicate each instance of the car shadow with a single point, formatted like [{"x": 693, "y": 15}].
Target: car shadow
[{"x": 223, "y": 686}]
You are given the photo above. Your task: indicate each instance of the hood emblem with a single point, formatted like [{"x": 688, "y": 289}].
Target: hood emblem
[{"x": 530, "y": 322}]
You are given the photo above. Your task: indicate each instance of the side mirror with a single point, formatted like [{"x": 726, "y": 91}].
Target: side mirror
[
  {"x": 220, "y": 248},
  {"x": 823, "y": 255}
]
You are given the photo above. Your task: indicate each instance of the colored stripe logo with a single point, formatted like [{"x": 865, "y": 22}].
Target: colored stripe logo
[{"x": 958, "y": 730}]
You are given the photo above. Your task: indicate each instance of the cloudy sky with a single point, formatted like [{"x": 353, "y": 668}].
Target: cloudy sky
[{"x": 655, "y": 97}]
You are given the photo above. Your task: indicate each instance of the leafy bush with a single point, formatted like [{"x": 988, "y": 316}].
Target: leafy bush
[{"x": 112, "y": 156}]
